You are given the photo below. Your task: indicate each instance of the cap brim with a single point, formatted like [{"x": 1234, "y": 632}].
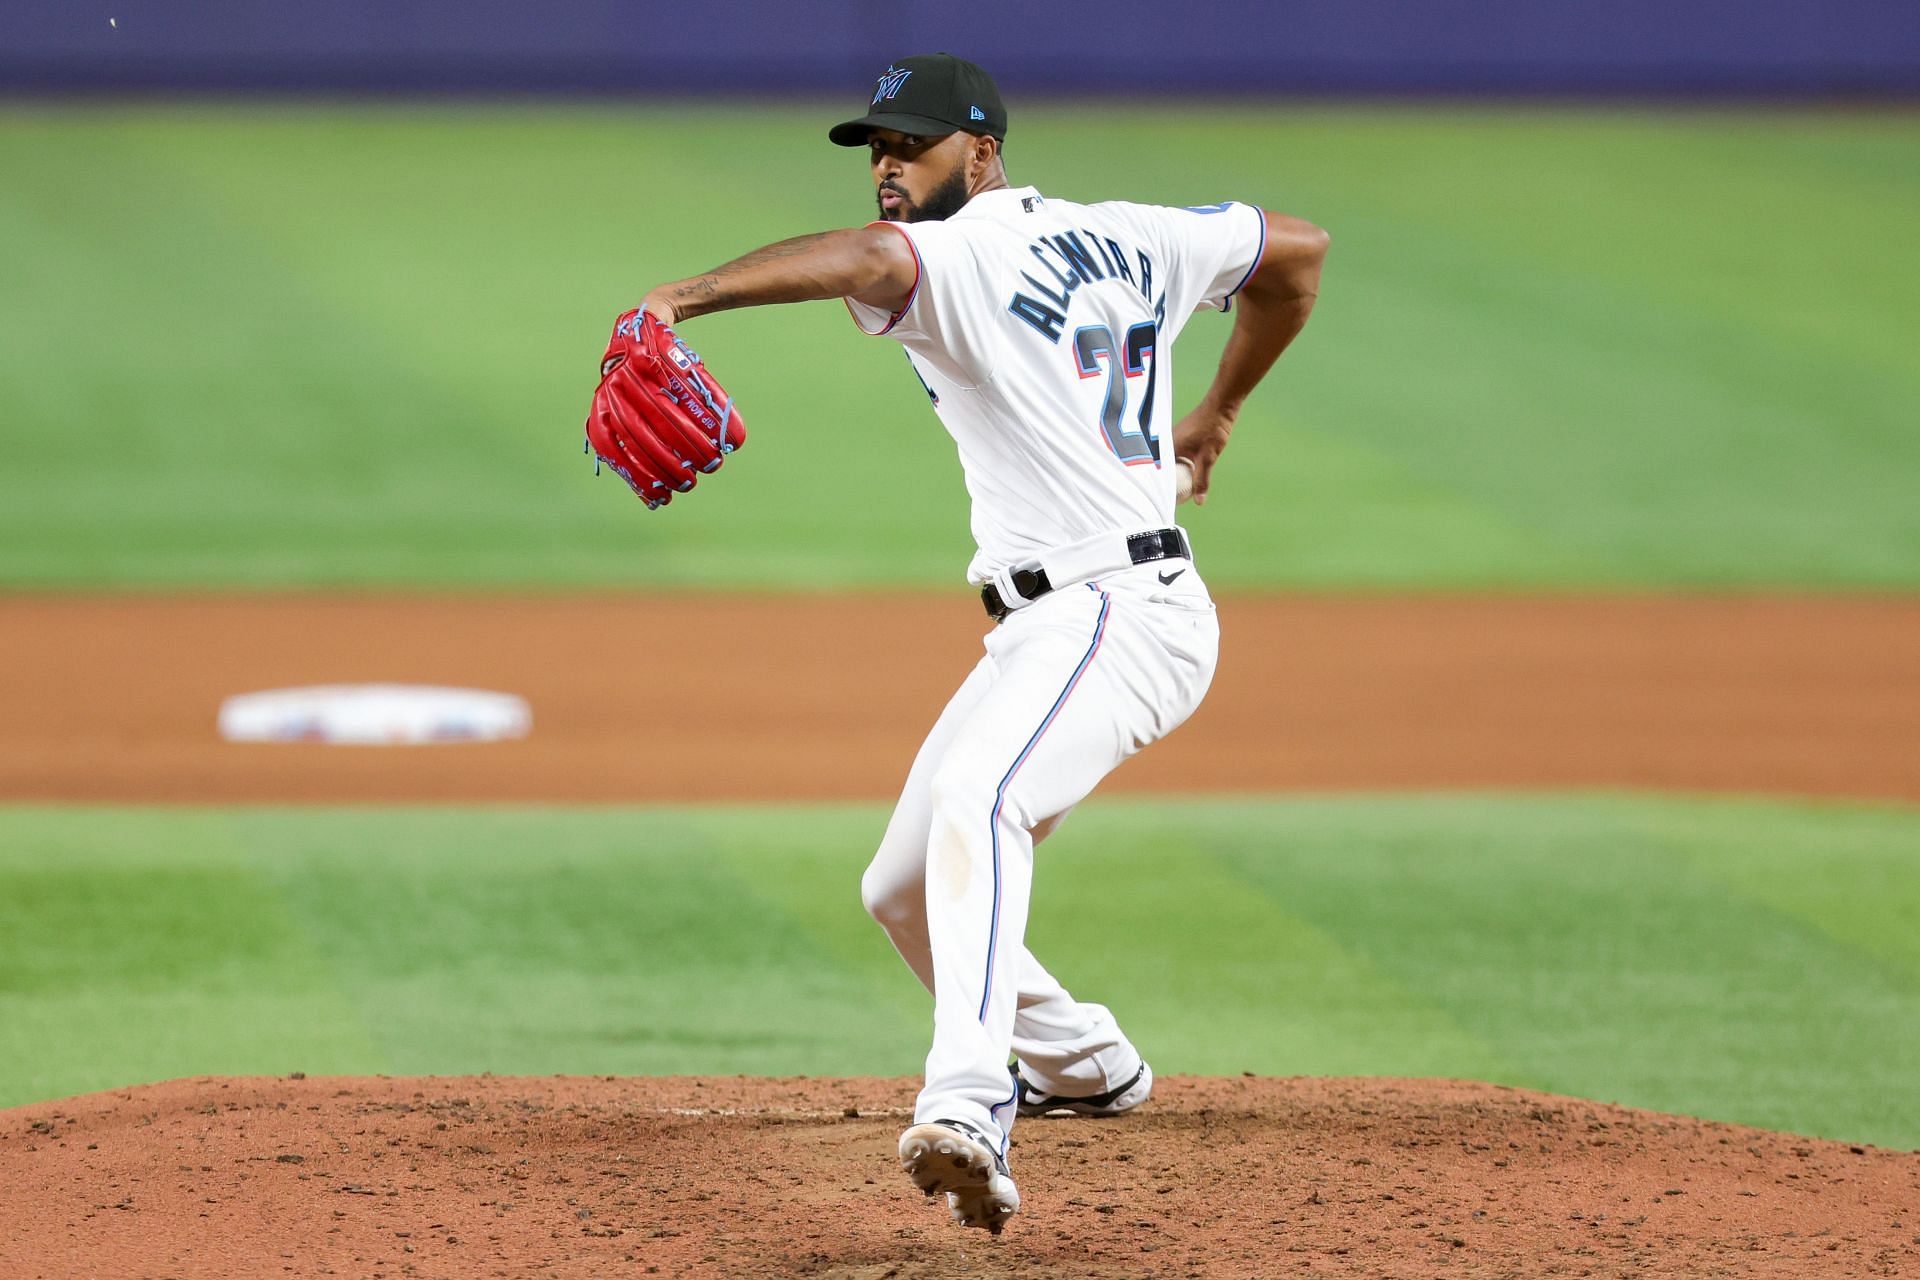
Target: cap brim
[{"x": 854, "y": 133}]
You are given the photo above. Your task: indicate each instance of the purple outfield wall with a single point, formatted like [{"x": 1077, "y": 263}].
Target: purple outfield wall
[{"x": 1802, "y": 48}]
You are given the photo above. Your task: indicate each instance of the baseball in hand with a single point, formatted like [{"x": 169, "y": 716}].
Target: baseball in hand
[{"x": 1182, "y": 481}]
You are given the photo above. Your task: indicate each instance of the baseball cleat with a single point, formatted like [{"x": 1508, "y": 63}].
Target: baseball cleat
[
  {"x": 1114, "y": 1102},
  {"x": 957, "y": 1159}
]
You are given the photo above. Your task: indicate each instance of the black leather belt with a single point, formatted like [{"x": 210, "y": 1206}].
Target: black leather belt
[{"x": 1161, "y": 544}]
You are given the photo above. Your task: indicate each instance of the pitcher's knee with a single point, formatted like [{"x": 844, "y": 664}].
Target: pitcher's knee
[{"x": 889, "y": 898}]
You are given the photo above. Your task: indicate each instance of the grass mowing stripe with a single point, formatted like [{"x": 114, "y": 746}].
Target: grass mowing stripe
[
  {"x": 1212, "y": 1010},
  {"x": 1210, "y": 975},
  {"x": 136, "y": 947},
  {"x": 1588, "y": 945},
  {"x": 1601, "y": 349},
  {"x": 1605, "y": 963},
  {"x": 543, "y": 940},
  {"x": 1340, "y": 511},
  {"x": 813, "y": 883},
  {"x": 1865, "y": 899}
]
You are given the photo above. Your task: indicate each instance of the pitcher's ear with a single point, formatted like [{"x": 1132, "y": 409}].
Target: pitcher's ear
[{"x": 985, "y": 151}]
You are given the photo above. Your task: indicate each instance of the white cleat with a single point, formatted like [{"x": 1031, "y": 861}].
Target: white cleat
[
  {"x": 1035, "y": 1101},
  {"x": 955, "y": 1158}
]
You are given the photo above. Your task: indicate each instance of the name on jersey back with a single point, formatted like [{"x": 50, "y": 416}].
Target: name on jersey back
[{"x": 1070, "y": 262}]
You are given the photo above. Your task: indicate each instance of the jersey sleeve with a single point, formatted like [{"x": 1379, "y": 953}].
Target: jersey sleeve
[
  {"x": 1212, "y": 250},
  {"x": 947, "y": 319}
]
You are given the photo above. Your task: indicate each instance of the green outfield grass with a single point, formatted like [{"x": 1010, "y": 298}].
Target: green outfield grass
[
  {"x": 1739, "y": 960},
  {"x": 263, "y": 345}
]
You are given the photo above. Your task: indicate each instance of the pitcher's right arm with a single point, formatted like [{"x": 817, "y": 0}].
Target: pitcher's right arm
[{"x": 1271, "y": 309}]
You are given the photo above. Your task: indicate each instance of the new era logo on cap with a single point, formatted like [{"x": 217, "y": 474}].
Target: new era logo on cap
[{"x": 976, "y": 114}]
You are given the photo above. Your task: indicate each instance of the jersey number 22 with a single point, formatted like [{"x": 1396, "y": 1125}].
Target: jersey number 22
[{"x": 1091, "y": 343}]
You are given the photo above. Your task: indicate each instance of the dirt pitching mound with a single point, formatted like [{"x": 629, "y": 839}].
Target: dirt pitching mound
[{"x": 753, "y": 1177}]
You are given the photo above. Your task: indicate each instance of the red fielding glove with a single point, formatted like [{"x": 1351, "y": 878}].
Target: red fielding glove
[{"x": 660, "y": 419}]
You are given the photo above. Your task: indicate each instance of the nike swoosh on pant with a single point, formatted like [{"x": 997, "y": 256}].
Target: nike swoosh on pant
[{"x": 1166, "y": 579}]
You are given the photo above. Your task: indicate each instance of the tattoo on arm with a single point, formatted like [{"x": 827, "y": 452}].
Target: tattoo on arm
[
  {"x": 707, "y": 287},
  {"x": 783, "y": 249}
]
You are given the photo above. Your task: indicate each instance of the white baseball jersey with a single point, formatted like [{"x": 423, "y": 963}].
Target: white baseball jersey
[{"x": 1043, "y": 331}]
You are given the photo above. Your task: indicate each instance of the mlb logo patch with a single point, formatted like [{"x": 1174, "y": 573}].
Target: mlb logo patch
[{"x": 680, "y": 357}]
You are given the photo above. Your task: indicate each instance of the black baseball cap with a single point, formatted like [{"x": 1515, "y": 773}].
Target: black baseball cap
[{"x": 931, "y": 94}]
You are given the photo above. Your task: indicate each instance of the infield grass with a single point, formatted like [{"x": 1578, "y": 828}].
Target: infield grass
[
  {"x": 310, "y": 346},
  {"x": 1751, "y": 961}
]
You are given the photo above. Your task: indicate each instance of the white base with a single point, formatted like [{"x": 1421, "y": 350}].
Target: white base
[{"x": 369, "y": 715}]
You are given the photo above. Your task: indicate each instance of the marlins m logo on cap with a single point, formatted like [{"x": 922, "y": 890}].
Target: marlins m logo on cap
[
  {"x": 889, "y": 84},
  {"x": 926, "y": 95}
]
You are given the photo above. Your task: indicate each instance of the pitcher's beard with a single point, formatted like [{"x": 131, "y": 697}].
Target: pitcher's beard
[{"x": 941, "y": 203}]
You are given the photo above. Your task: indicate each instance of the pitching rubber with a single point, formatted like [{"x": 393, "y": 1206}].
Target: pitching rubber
[{"x": 941, "y": 1159}]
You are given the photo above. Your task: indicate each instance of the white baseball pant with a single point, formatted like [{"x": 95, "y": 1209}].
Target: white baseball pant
[{"x": 1070, "y": 686}]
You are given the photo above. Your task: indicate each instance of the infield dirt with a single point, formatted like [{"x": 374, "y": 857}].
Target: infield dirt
[
  {"x": 806, "y": 697},
  {"x": 571, "y": 1177}
]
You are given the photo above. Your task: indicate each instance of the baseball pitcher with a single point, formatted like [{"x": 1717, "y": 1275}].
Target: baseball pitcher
[{"x": 1043, "y": 331}]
